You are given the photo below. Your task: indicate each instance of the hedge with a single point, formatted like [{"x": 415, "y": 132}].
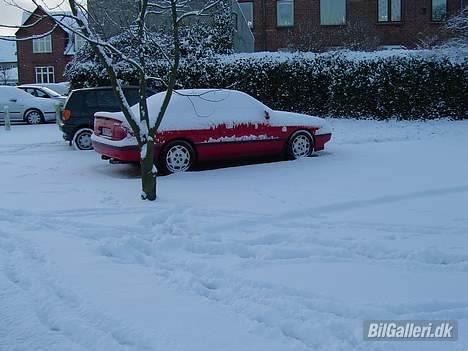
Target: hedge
[{"x": 398, "y": 86}]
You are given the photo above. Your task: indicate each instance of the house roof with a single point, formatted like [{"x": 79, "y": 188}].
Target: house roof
[
  {"x": 8, "y": 50},
  {"x": 64, "y": 22}
]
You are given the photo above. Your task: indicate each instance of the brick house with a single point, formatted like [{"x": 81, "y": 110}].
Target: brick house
[
  {"x": 283, "y": 24},
  {"x": 43, "y": 60}
]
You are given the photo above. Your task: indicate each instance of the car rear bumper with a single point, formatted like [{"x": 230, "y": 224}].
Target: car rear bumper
[
  {"x": 67, "y": 131},
  {"x": 123, "y": 150},
  {"x": 321, "y": 140}
]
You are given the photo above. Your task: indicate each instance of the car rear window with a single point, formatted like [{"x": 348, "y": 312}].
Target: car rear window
[
  {"x": 74, "y": 101},
  {"x": 101, "y": 99},
  {"x": 132, "y": 96}
]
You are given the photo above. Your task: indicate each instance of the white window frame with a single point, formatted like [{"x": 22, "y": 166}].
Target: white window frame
[
  {"x": 44, "y": 74},
  {"x": 325, "y": 21},
  {"x": 247, "y": 9},
  {"x": 279, "y": 22},
  {"x": 42, "y": 45},
  {"x": 393, "y": 11}
]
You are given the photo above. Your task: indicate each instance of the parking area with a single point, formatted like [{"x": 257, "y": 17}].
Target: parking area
[{"x": 282, "y": 255}]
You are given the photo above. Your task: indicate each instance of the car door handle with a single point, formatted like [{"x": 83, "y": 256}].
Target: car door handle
[{"x": 13, "y": 100}]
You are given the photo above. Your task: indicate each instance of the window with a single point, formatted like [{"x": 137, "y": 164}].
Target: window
[
  {"x": 389, "y": 11},
  {"x": 285, "y": 13},
  {"x": 332, "y": 12},
  {"x": 79, "y": 42},
  {"x": 235, "y": 21},
  {"x": 36, "y": 92},
  {"x": 45, "y": 74},
  {"x": 247, "y": 11},
  {"x": 439, "y": 10},
  {"x": 42, "y": 45}
]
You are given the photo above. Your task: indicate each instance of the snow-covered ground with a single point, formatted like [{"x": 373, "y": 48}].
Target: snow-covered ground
[{"x": 279, "y": 256}]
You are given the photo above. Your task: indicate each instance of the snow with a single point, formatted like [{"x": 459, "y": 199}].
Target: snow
[
  {"x": 269, "y": 256},
  {"x": 455, "y": 54},
  {"x": 193, "y": 109}
]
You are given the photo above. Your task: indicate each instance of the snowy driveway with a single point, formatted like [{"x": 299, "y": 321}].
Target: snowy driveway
[{"x": 280, "y": 256}]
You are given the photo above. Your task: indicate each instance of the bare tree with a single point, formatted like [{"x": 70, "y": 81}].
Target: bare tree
[
  {"x": 7, "y": 76},
  {"x": 142, "y": 127}
]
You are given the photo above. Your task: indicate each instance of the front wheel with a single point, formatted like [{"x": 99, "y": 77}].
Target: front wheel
[
  {"x": 33, "y": 117},
  {"x": 82, "y": 139},
  {"x": 300, "y": 145},
  {"x": 177, "y": 156}
]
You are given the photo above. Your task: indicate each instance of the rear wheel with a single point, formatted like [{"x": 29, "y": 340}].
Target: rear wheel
[
  {"x": 300, "y": 145},
  {"x": 82, "y": 139},
  {"x": 177, "y": 156},
  {"x": 33, "y": 117}
]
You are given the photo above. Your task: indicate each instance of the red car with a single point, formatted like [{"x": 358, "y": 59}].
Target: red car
[{"x": 208, "y": 124}]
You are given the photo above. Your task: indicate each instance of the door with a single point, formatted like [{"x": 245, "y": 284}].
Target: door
[
  {"x": 246, "y": 132},
  {"x": 11, "y": 98}
]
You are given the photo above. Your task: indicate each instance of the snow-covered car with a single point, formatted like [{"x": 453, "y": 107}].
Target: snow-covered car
[
  {"x": 43, "y": 92},
  {"x": 26, "y": 107},
  {"x": 206, "y": 125}
]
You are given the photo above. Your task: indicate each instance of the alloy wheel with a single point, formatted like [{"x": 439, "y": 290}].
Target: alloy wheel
[
  {"x": 301, "y": 146},
  {"x": 33, "y": 117},
  {"x": 178, "y": 159}
]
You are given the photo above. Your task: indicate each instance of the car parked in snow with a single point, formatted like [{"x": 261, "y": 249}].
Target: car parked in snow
[
  {"x": 26, "y": 107},
  {"x": 77, "y": 120},
  {"x": 62, "y": 88},
  {"x": 43, "y": 92},
  {"x": 206, "y": 125}
]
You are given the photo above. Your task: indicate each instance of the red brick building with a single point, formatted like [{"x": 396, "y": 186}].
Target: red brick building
[
  {"x": 279, "y": 24},
  {"x": 43, "y": 59}
]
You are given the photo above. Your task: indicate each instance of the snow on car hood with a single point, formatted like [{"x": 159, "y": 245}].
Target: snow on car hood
[
  {"x": 208, "y": 108},
  {"x": 283, "y": 118}
]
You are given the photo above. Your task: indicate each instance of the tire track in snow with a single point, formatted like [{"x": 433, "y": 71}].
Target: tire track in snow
[{"x": 63, "y": 319}]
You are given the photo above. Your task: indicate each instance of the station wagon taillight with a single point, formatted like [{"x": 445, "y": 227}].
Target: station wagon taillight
[{"x": 66, "y": 115}]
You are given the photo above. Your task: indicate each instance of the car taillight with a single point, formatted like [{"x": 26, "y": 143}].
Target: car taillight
[
  {"x": 66, "y": 115},
  {"x": 119, "y": 132}
]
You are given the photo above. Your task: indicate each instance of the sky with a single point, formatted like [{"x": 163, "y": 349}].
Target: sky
[{"x": 11, "y": 15}]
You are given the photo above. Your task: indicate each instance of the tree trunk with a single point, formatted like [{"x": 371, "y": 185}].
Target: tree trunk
[{"x": 148, "y": 173}]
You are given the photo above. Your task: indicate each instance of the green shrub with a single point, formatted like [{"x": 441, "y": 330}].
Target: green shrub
[{"x": 399, "y": 86}]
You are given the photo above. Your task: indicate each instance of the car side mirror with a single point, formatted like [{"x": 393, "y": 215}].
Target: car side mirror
[{"x": 267, "y": 115}]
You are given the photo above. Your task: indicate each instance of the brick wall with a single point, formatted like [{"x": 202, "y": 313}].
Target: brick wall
[
  {"x": 415, "y": 23},
  {"x": 27, "y": 60}
]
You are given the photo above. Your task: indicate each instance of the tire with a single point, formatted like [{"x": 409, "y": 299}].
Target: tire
[
  {"x": 301, "y": 144},
  {"x": 176, "y": 157},
  {"x": 82, "y": 139},
  {"x": 34, "y": 117}
]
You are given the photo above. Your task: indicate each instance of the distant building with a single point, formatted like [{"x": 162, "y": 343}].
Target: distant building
[
  {"x": 288, "y": 24},
  {"x": 8, "y": 62},
  {"x": 43, "y": 60}
]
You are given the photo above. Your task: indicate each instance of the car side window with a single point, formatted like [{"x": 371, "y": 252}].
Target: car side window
[
  {"x": 106, "y": 99},
  {"x": 31, "y": 91},
  {"x": 40, "y": 93},
  {"x": 90, "y": 99}
]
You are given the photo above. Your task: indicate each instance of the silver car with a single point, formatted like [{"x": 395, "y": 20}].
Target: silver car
[{"x": 23, "y": 106}]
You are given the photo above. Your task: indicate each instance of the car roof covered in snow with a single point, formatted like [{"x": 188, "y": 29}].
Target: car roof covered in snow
[{"x": 208, "y": 108}]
